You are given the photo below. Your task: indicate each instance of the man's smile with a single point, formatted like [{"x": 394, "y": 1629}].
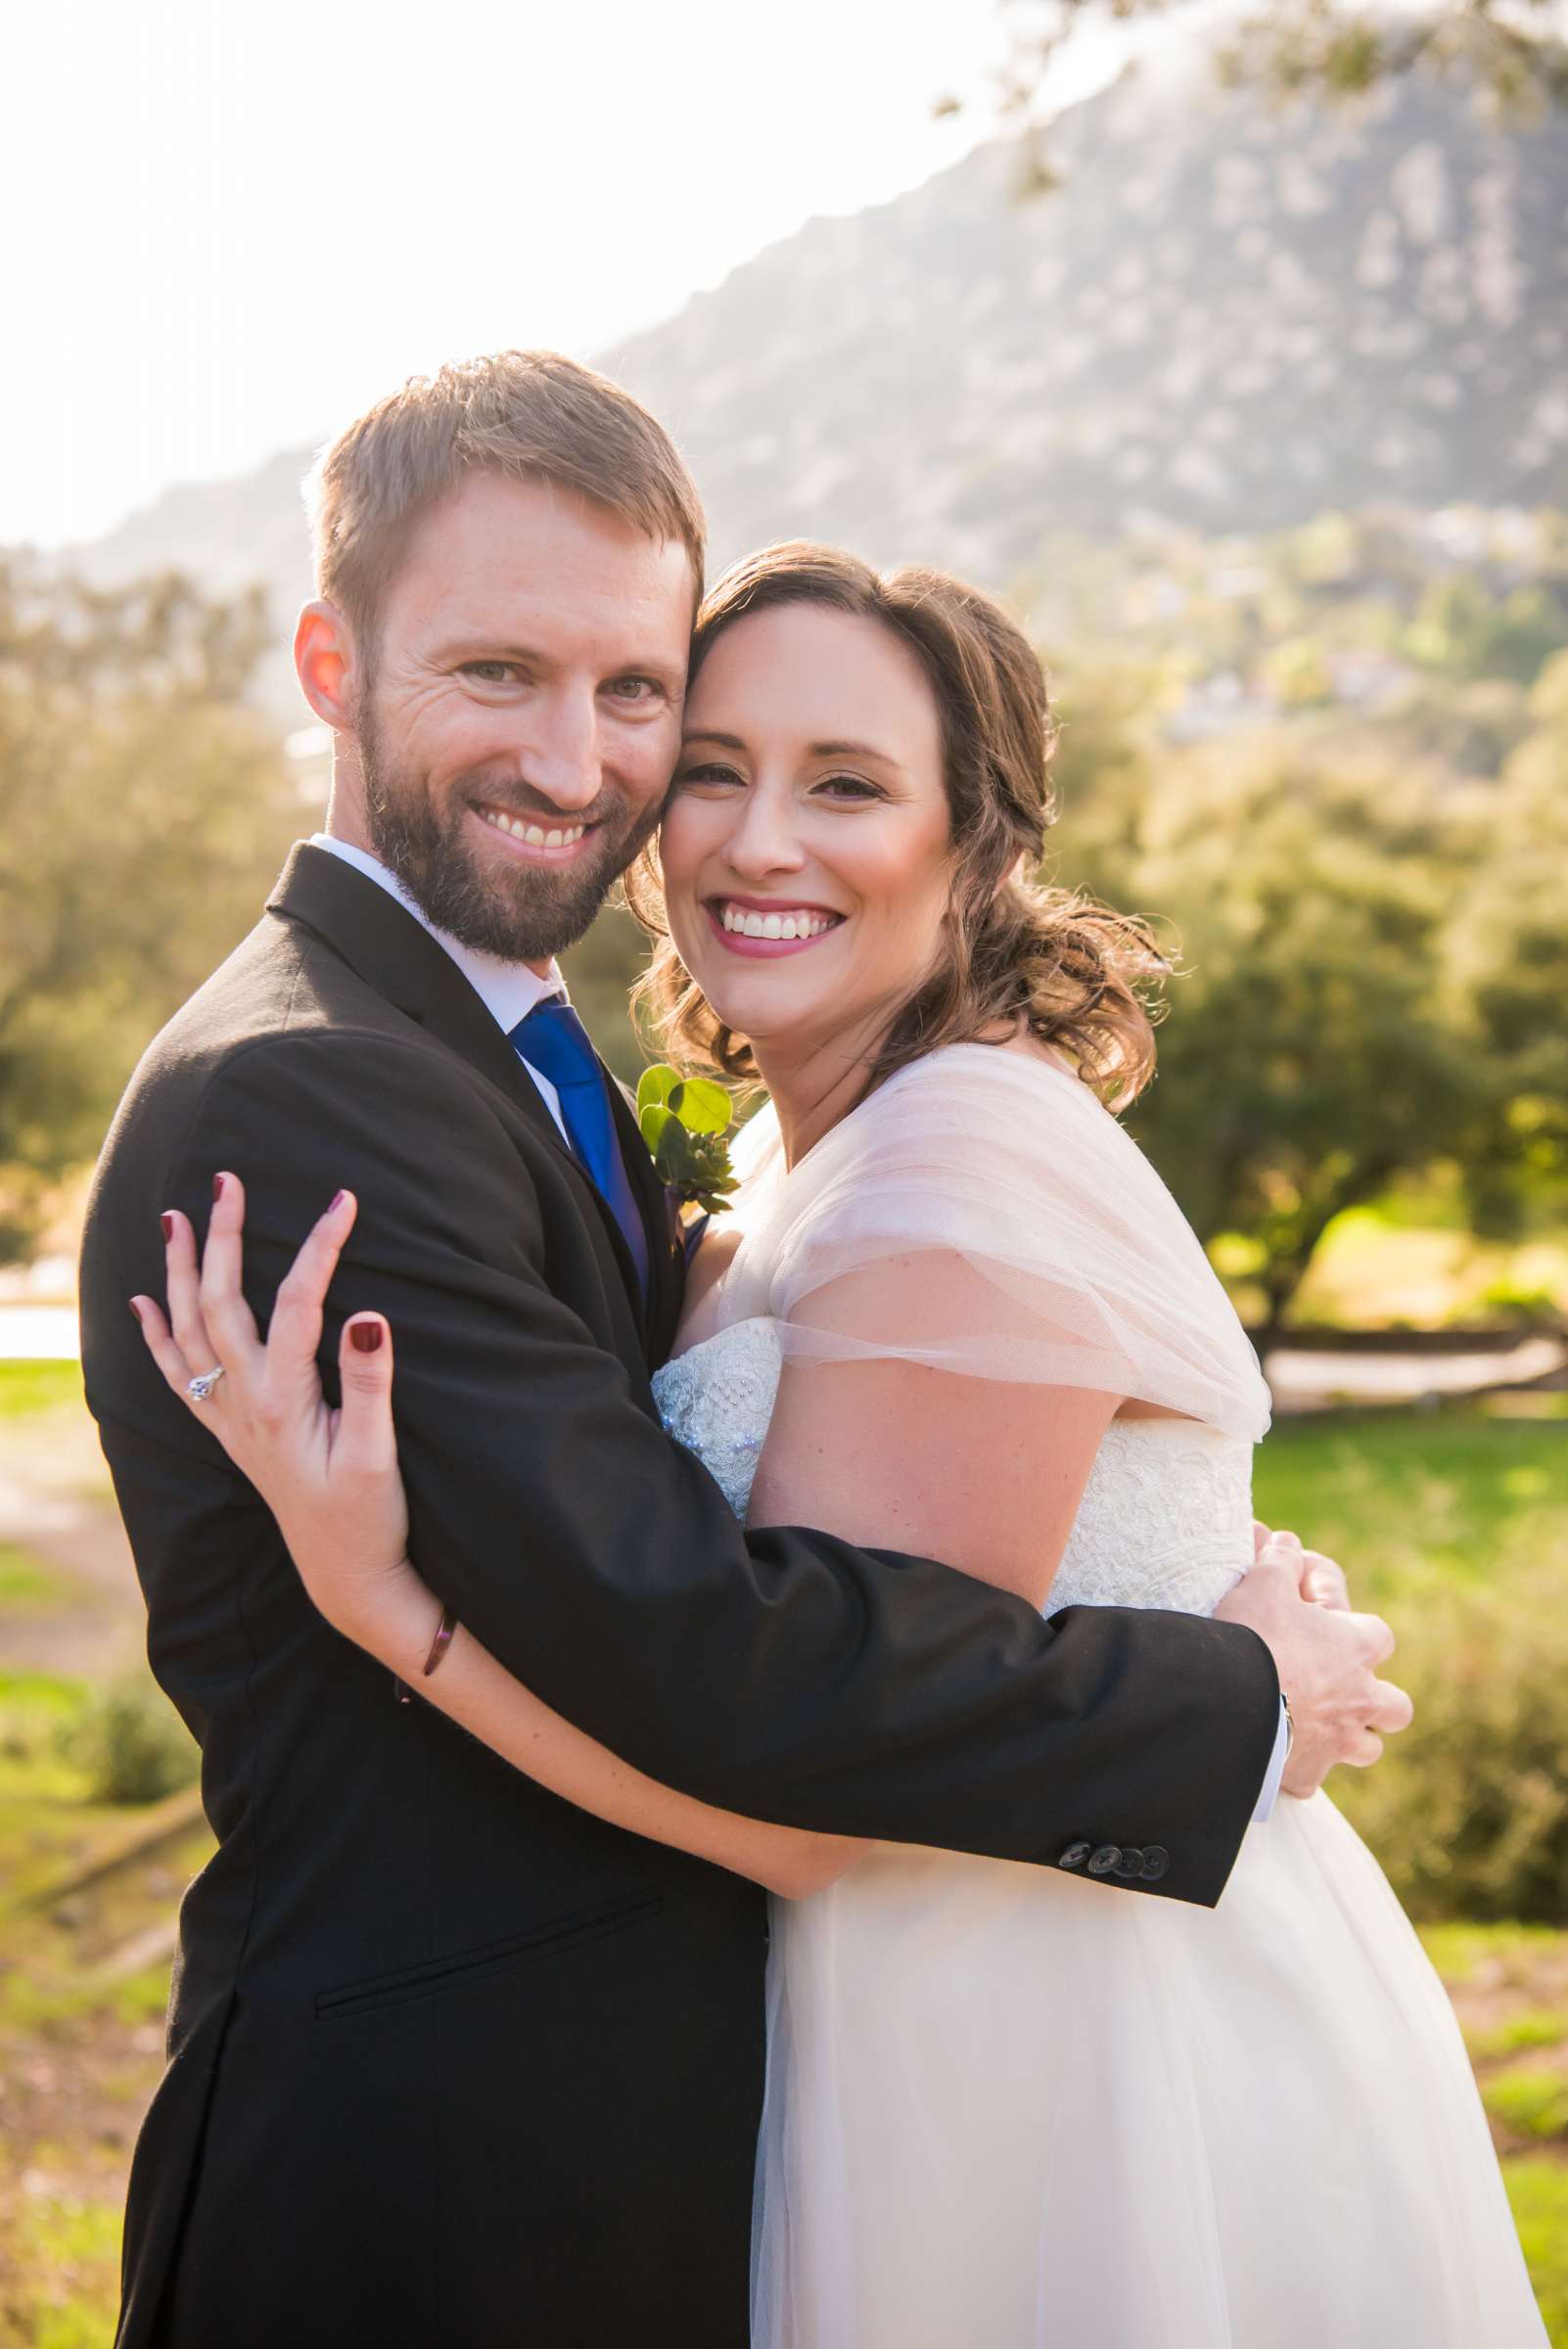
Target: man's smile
[{"x": 531, "y": 841}]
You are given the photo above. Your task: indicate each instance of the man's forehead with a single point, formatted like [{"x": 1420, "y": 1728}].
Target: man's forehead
[{"x": 494, "y": 541}]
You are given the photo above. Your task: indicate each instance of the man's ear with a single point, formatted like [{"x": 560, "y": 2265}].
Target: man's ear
[{"x": 324, "y": 661}]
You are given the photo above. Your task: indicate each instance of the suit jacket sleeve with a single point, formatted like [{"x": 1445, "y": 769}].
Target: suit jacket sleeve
[{"x": 785, "y": 1674}]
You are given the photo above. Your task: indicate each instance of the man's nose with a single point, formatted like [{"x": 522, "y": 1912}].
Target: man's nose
[{"x": 561, "y": 750}]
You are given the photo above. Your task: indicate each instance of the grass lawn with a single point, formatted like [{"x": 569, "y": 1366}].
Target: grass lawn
[
  {"x": 28, "y": 1387},
  {"x": 1389, "y": 1493},
  {"x": 47, "y": 1437},
  {"x": 82, "y": 2011},
  {"x": 27, "y": 1584},
  {"x": 1412, "y": 1262},
  {"x": 1539, "y": 2192}
]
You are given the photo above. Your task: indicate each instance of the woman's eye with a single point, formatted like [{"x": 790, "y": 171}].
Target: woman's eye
[
  {"x": 707, "y": 774},
  {"x": 851, "y": 788}
]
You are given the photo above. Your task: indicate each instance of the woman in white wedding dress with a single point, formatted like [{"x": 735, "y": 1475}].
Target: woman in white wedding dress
[{"x": 1007, "y": 2108}]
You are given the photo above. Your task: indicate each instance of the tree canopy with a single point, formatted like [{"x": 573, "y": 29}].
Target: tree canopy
[
  {"x": 1511, "y": 52},
  {"x": 144, "y": 810}
]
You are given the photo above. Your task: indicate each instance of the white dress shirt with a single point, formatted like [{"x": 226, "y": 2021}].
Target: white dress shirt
[
  {"x": 509, "y": 992},
  {"x": 1268, "y": 1792}
]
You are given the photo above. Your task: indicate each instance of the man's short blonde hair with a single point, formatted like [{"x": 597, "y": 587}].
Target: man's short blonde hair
[{"x": 530, "y": 414}]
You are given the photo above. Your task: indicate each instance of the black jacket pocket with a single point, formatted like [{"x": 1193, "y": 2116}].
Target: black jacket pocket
[{"x": 434, "y": 1976}]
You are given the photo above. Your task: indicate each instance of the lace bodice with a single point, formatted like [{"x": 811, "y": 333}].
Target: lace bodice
[{"x": 1166, "y": 1518}]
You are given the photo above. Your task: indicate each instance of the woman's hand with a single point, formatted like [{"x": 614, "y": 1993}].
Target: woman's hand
[{"x": 330, "y": 1477}]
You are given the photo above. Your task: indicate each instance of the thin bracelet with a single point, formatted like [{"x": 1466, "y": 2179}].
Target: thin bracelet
[
  {"x": 438, "y": 1647},
  {"x": 443, "y": 1639}
]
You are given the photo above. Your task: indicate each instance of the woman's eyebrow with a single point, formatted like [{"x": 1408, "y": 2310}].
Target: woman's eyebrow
[
  {"x": 814, "y": 749},
  {"x": 850, "y": 750}
]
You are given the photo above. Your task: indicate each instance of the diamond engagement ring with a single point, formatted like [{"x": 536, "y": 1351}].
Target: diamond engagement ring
[{"x": 201, "y": 1387}]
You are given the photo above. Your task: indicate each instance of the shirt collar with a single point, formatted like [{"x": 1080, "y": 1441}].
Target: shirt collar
[{"x": 508, "y": 991}]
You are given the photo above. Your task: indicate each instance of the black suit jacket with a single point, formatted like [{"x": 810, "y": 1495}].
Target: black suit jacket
[{"x": 451, "y": 2061}]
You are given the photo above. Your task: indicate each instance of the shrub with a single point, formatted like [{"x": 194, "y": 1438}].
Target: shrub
[
  {"x": 131, "y": 1743},
  {"x": 1531, "y": 2103},
  {"x": 1468, "y": 1811}
]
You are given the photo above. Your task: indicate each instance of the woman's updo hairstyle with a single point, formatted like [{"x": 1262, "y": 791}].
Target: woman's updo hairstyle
[{"x": 1018, "y": 952}]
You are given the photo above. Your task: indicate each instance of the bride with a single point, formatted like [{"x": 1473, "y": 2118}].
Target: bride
[{"x": 957, "y": 1313}]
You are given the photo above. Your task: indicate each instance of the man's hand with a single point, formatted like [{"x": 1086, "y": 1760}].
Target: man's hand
[
  {"x": 1327, "y": 1657},
  {"x": 1319, "y": 1579}
]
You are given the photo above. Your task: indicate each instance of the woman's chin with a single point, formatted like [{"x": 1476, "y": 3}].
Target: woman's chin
[{"x": 763, "y": 1014}]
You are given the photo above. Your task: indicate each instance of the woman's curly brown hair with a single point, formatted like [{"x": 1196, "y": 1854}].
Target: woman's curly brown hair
[{"x": 1019, "y": 954}]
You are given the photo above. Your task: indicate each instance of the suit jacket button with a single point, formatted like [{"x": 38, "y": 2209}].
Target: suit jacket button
[
  {"x": 1156, "y": 1859},
  {"x": 1104, "y": 1860},
  {"x": 1130, "y": 1863},
  {"x": 1075, "y": 1855}
]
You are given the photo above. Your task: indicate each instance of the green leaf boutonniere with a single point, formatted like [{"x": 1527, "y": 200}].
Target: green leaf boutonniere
[{"x": 685, "y": 1121}]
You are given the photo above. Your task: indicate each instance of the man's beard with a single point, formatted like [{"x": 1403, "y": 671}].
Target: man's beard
[{"x": 523, "y": 913}]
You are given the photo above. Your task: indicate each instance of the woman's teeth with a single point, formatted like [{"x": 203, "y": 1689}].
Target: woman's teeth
[
  {"x": 535, "y": 834},
  {"x": 800, "y": 923}
]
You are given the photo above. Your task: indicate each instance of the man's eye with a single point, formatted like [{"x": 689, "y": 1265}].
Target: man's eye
[
  {"x": 635, "y": 689},
  {"x": 490, "y": 672}
]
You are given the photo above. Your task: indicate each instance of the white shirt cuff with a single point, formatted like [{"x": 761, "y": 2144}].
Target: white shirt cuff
[{"x": 1268, "y": 1792}]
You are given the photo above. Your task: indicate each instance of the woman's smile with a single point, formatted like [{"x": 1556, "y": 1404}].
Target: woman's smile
[{"x": 767, "y": 927}]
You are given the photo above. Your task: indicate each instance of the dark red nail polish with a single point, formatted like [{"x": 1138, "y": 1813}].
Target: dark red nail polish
[
  {"x": 167, "y": 1222},
  {"x": 135, "y": 1307},
  {"x": 218, "y": 1181},
  {"x": 365, "y": 1337},
  {"x": 337, "y": 1203}
]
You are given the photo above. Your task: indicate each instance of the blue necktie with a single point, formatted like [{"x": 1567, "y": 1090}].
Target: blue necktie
[{"x": 553, "y": 1040}]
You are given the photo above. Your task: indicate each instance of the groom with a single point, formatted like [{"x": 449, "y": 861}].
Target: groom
[{"x": 452, "y": 2062}]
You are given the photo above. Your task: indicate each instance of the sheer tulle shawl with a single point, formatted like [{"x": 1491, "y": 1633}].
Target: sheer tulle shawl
[{"x": 982, "y": 1213}]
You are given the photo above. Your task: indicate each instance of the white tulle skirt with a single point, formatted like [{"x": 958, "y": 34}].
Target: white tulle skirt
[{"x": 1009, "y": 2110}]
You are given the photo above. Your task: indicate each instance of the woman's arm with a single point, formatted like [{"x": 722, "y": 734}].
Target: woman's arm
[
  {"x": 983, "y": 1473},
  {"x": 331, "y": 1479},
  {"x": 483, "y": 1697}
]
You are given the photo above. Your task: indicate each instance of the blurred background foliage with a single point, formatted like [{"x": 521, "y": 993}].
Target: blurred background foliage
[
  {"x": 143, "y": 807},
  {"x": 1331, "y": 763}
]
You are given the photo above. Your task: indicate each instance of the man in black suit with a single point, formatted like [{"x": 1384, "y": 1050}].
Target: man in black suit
[{"x": 451, "y": 2061}]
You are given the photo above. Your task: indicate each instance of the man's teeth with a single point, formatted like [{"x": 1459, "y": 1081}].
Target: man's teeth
[
  {"x": 535, "y": 834},
  {"x": 803, "y": 922}
]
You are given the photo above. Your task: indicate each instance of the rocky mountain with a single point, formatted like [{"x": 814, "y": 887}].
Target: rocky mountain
[{"x": 1229, "y": 317}]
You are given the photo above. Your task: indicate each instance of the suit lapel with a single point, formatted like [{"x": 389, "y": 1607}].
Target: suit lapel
[
  {"x": 398, "y": 957},
  {"x": 667, "y": 1275}
]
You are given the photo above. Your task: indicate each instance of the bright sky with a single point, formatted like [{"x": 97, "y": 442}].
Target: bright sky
[{"x": 231, "y": 223}]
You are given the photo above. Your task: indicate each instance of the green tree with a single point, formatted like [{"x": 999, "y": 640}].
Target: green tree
[
  {"x": 1510, "y": 954},
  {"x": 1464, "y": 631},
  {"x": 1297, "y": 673},
  {"x": 1314, "y": 1046},
  {"x": 144, "y": 809}
]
